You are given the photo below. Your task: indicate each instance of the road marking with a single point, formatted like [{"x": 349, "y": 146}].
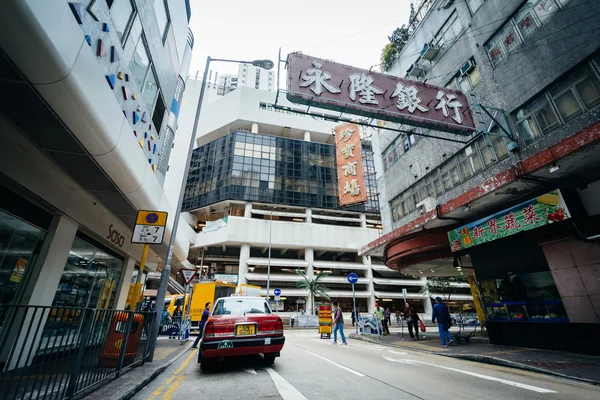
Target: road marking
[
  {"x": 285, "y": 389},
  {"x": 336, "y": 364},
  {"x": 158, "y": 390},
  {"x": 397, "y": 352},
  {"x": 169, "y": 393},
  {"x": 399, "y": 361},
  {"x": 185, "y": 363},
  {"x": 250, "y": 371},
  {"x": 491, "y": 378},
  {"x": 171, "y": 379}
]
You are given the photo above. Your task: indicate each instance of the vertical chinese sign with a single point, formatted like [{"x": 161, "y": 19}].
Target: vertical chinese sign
[
  {"x": 351, "y": 175},
  {"x": 542, "y": 210}
]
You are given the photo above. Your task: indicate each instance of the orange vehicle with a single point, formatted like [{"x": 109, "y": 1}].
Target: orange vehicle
[{"x": 115, "y": 338}]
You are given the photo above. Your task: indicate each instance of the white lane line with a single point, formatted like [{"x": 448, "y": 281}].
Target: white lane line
[
  {"x": 397, "y": 352},
  {"x": 491, "y": 378},
  {"x": 399, "y": 361},
  {"x": 336, "y": 364},
  {"x": 285, "y": 389},
  {"x": 249, "y": 370}
]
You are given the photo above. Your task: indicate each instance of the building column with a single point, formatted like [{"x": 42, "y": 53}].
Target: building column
[
  {"x": 308, "y": 212},
  {"x": 44, "y": 282},
  {"x": 363, "y": 220},
  {"x": 125, "y": 283},
  {"x": 427, "y": 306},
  {"x": 254, "y": 127},
  {"x": 243, "y": 265},
  {"x": 307, "y": 136},
  {"x": 366, "y": 260},
  {"x": 248, "y": 210},
  {"x": 309, "y": 257}
]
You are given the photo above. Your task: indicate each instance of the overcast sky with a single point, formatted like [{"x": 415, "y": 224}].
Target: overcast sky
[{"x": 348, "y": 31}]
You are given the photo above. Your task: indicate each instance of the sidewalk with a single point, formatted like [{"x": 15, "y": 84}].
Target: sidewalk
[
  {"x": 567, "y": 365},
  {"x": 135, "y": 379}
]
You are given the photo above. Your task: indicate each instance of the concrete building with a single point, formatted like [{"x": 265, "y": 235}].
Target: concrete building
[
  {"x": 535, "y": 68},
  {"x": 257, "y": 78},
  {"x": 90, "y": 100}
]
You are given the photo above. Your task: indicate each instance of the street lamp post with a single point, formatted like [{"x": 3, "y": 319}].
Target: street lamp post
[
  {"x": 166, "y": 272},
  {"x": 269, "y": 259}
]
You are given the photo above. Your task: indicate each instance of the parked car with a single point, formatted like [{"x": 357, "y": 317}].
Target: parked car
[{"x": 240, "y": 326}]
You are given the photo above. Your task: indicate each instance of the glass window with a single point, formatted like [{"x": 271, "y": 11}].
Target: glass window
[
  {"x": 589, "y": 90},
  {"x": 90, "y": 278},
  {"x": 150, "y": 91},
  {"x": 547, "y": 118},
  {"x": 529, "y": 130},
  {"x": 464, "y": 84},
  {"x": 162, "y": 16},
  {"x": 567, "y": 104},
  {"x": 122, "y": 13},
  {"x": 544, "y": 10},
  {"x": 525, "y": 20},
  {"x": 475, "y": 77},
  {"x": 140, "y": 63},
  {"x": 511, "y": 41},
  {"x": 20, "y": 244},
  {"x": 474, "y": 5}
]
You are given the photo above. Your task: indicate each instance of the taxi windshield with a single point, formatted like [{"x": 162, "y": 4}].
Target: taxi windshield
[{"x": 241, "y": 306}]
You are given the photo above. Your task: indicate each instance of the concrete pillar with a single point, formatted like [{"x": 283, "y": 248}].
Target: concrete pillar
[
  {"x": 307, "y": 136},
  {"x": 44, "y": 282},
  {"x": 363, "y": 220},
  {"x": 366, "y": 260},
  {"x": 254, "y": 127},
  {"x": 308, "y": 212},
  {"x": 243, "y": 265},
  {"x": 309, "y": 257},
  {"x": 125, "y": 283},
  {"x": 427, "y": 306},
  {"x": 248, "y": 210}
]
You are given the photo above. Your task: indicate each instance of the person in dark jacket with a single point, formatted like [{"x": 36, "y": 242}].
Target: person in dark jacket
[
  {"x": 442, "y": 314},
  {"x": 412, "y": 320},
  {"x": 205, "y": 315}
]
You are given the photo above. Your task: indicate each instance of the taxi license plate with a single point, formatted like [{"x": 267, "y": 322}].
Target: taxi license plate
[{"x": 245, "y": 330}]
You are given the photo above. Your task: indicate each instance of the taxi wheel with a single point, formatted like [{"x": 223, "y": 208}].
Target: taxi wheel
[{"x": 269, "y": 359}]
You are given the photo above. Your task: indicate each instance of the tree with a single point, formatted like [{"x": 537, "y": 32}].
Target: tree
[
  {"x": 390, "y": 52},
  {"x": 442, "y": 285},
  {"x": 313, "y": 286}
]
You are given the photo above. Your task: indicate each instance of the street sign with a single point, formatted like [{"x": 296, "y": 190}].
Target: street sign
[
  {"x": 188, "y": 274},
  {"x": 404, "y": 294},
  {"x": 277, "y": 293},
  {"x": 352, "y": 278},
  {"x": 149, "y": 227}
]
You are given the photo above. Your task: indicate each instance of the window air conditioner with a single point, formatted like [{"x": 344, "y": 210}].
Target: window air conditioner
[
  {"x": 417, "y": 69},
  {"x": 429, "y": 51},
  {"x": 428, "y": 204},
  {"x": 468, "y": 67}
]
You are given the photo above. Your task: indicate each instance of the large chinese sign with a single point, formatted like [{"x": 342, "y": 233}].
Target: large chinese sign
[
  {"x": 339, "y": 87},
  {"x": 350, "y": 171},
  {"x": 542, "y": 210}
]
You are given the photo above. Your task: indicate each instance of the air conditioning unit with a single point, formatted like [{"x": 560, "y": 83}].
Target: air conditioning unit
[
  {"x": 429, "y": 51},
  {"x": 417, "y": 69},
  {"x": 406, "y": 147},
  {"x": 426, "y": 205},
  {"x": 468, "y": 67}
]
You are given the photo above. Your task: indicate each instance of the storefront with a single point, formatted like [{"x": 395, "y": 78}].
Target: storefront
[{"x": 524, "y": 296}]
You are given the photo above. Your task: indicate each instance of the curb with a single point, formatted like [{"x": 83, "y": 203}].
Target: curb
[
  {"x": 483, "y": 359},
  {"x": 138, "y": 386}
]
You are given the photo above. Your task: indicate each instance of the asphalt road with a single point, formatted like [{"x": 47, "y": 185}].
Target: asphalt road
[{"x": 314, "y": 369}]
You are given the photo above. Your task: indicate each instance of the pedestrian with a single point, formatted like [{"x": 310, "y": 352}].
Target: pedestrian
[
  {"x": 177, "y": 312},
  {"x": 412, "y": 320},
  {"x": 388, "y": 317},
  {"x": 353, "y": 316},
  {"x": 203, "y": 319},
  {"x": 442, "y": 314},
  {"x": 381, "y": 322},
  {"x": 165, "y": 319},
  {"x": 338, "y": 323}
]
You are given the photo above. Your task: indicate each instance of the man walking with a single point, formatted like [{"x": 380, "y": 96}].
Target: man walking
[
  {"x": 442, "y": 314},
  {"x": 205, "y": 315},
  {"x": 412, "y": 320},
  {"x": 338, "y": 323},
  {"x": 381, "y": 323}
]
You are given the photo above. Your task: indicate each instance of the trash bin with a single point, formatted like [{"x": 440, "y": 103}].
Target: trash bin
[
  {"x": 292, "y": 321},
  {"x": 111, "y": 351}
]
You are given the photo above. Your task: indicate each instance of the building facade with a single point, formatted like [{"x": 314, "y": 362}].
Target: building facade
[
  {"x": 91, "y": 92},
  {"x": 516, "y": 201}
]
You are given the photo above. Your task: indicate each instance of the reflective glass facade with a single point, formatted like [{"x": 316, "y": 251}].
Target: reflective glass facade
[{"x": 269, "y": 169}]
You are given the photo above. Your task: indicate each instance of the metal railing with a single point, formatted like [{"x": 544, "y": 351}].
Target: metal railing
[{"x": 63, "y": 352}]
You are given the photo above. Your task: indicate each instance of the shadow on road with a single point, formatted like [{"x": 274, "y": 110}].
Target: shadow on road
[{"x": 234, "y": 364}]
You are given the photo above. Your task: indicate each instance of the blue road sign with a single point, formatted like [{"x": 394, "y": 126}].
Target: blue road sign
[
  {"x": 277, "y": 292},
  {"x": 352, "y": 278}
]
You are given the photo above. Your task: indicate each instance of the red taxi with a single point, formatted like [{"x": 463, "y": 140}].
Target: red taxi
[{"x": 240, "y": 326}]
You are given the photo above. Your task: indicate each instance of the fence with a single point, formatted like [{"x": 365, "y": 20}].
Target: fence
[{"x": 62, "y": 352}]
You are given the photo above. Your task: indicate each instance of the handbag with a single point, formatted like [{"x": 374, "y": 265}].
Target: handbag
[{"x": 422, "y": 326}]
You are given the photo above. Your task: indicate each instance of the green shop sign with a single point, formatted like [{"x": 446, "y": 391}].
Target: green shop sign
[{"x": 542, "y": 210}]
